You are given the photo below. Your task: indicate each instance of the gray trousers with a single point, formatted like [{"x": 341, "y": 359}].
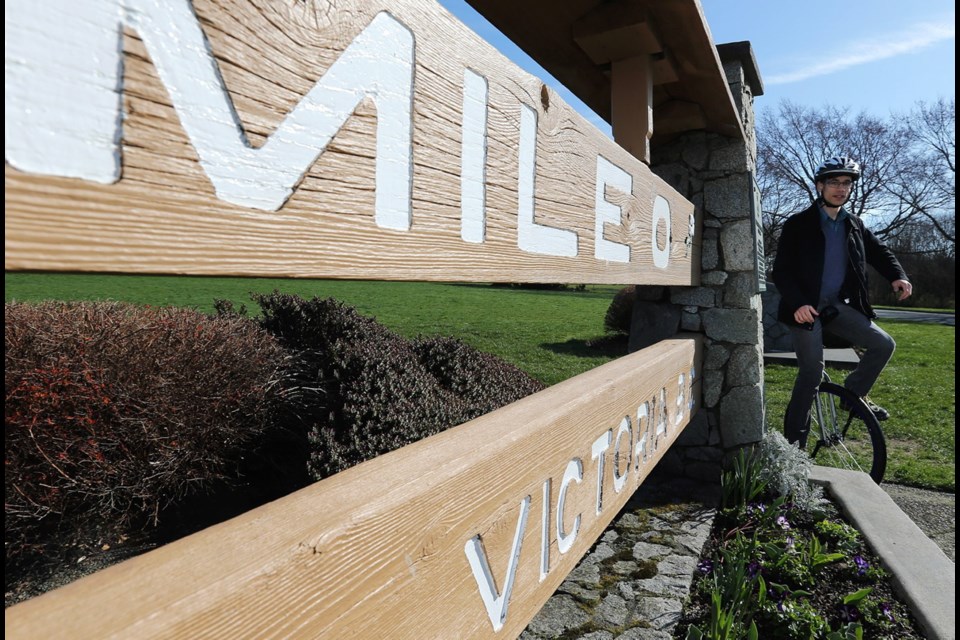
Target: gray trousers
[{"x": 850, "y": 326}]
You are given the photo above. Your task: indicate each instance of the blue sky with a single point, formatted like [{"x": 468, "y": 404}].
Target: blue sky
[{"x": 879, "y": 56}]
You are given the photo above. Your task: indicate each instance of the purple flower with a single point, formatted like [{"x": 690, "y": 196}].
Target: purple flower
[
  {"x": 753, "y": 569},
  {"x": 783, "y": 523},
  {"x": 887, "y": 610},
  {"x": 756, "y": 507},
  {"x": 789, "y": 542},
  {"x": 705, "y": 566},
  {"x": 862, "y": 565},
  {"x": 849, "y": 613}
]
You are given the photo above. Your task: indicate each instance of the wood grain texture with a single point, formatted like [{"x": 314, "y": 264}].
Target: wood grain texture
[
  {"x": 377, "y": 551},
  {"x": 163, "y": 215}
]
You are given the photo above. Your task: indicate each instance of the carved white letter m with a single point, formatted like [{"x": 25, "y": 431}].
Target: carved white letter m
[{"x": 63, "y": 100}]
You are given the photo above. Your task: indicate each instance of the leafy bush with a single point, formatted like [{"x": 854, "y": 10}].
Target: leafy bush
[
  {"x": 359, "y": 390},
  {"x": 114, "y": 412},
  {"x": 135, "y": 425},
  {"x": 742, "y": 482},
  {"x": 482, "y": 381},
  {"x": 620, "y": 311}
]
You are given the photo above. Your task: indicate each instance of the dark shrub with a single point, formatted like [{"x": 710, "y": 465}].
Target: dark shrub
[
  {"x": 359, "y": 390},
  {"x": 620, "y": 311},
  {"x": 483, "y": 381},
  {"x": 115, "y": 412},
  {"x": 541, "y": 286}
]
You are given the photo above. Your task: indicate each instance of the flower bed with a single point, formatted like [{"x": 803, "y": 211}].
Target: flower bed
[{"x": 782, "y": 563}]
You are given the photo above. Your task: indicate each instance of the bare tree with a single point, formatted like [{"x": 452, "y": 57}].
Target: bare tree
[
  {"x": 927, "y": 186},
  {"x": 794, "y": 140}
]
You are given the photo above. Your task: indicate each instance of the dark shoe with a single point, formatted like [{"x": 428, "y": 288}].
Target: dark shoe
[{"x": 879, "y": 412}]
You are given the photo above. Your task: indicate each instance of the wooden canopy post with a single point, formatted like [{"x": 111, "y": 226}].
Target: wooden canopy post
[
  {"x": 618, "y": 35},
  {"x": 631, "y": 84}
]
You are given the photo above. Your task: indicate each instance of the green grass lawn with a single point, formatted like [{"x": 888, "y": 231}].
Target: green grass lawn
[
  {"x": 544, "y": 332},
  {"x": 550, "y": 335}
]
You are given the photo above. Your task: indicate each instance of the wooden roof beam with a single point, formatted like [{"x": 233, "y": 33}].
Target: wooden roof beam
[{"x": 619, "y": 35}]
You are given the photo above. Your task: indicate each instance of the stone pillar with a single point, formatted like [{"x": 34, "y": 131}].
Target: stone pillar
[{"x": 716, "y": 174}]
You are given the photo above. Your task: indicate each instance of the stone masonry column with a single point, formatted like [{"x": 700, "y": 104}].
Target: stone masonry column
[{"x": 716, "y": 174}]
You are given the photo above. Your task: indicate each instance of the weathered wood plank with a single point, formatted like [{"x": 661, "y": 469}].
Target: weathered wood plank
[
  {"x": 383, "y": 550},
  {"x": 532, "y": 165}
]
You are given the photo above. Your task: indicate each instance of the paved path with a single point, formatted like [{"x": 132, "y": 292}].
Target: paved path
[
  {"x": 917, "y": 316},
  {"x": 935, "y": 512}
]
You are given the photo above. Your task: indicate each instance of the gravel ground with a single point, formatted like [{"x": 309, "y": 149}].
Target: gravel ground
[{"x": 935, "y": 512}]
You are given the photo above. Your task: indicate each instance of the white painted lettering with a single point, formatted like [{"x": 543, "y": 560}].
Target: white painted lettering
[
  {"x": 661, "y": 212},
  {"x": 533, "y": 237},
  {"x": 643, "y": 429},
  {"x": 497, "y": 603},
  {"x": 600, "y": 446},
  {"x": 609, "y": 213},
  {"x": 660, "y": 408},
  {"x": 693, "y": 399},
  {"x": 681, "y": 395},
  {"x": 473, "y": 158},
  {"x": 573, "y": 473},
  {"x": 624, "y": 429},
  {"x": 55, "y": 66},
  {"x": 545, "y": 532}
]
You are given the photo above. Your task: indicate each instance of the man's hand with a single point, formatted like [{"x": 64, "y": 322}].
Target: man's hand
[
  {"x": 806, "y": 313},
  {"x": 902, "y": 287}
]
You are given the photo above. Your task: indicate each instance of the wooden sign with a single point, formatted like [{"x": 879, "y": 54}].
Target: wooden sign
[
  {"x": 348, "y": 139},
  {"x": 465, "y": 534}
]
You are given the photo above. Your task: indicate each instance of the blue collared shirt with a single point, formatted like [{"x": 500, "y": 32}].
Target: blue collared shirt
[{"x": 835, "y": 253}]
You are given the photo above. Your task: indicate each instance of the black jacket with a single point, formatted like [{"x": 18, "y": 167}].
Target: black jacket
[{"x": 798, "y": 268}]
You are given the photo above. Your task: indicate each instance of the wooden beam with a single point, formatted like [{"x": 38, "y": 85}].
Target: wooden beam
[
  {"x": 677, "y": 116},
  {"x": 632, "y": 84},
  {"x": 615, "y": 31},
  {"x": 414, "y": 544},
  {"x": 664, "y": 68},
  {"x": 491, "y": 177},
  {"x": 544, "y": 28}
]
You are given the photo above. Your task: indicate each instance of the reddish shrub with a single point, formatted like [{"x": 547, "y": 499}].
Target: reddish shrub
[
  {"x": 483, "y": 381},
  {"x": 114, "y": 412}
]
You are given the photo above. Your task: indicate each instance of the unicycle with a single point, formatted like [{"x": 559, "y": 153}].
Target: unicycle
[{"x": 844, "y": 433}]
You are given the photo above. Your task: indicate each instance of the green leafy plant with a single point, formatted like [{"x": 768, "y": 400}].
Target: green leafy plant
[
  {"x": 742, "y": 483},
  {"x": 786, "y": 470},
  {"x": 732, "y": 584},
  {"x": 840, "y": 533}
]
